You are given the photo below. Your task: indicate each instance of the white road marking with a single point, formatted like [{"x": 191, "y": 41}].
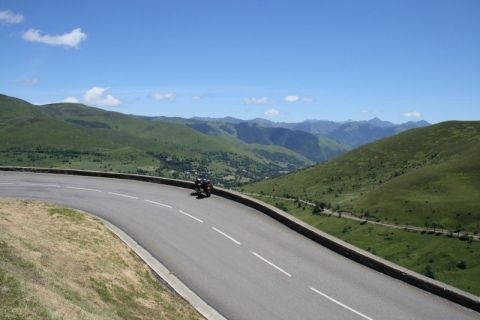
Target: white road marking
[
  {"x": 159, "y": 204},
  {"x": 271, "y": 264},
  {"x": 189, "y": 215},
  {"x": 86, "y": 189},
  {"x": 123, "y": 195},
  {"x": 6, "y": 183},
  {"x": 339, "y": 303},
  {"x": 226, "y": 235},
  {"x": 43, "y": 185}
]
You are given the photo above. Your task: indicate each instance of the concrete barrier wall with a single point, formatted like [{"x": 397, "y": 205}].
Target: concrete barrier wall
[{"x": 438, "y": 288}]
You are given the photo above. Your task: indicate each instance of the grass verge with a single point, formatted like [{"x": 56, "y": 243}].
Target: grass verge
[{"x": 57, "y": 263}]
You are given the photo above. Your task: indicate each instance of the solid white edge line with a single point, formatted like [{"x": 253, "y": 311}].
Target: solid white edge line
[
  {"x": 5, "y": 183},
  {"x": 226, "y": 235},
  {"x": 340, "y": 304},
  {"x": 86, "y": 189},
  {"x": 271, "y": 264},
  {"x": 159, "y": 204},
  {"x": 189, "y": 215},
  {"x": 123, "y": 195}
]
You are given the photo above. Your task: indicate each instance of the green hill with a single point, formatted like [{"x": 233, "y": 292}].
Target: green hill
[
  {"x": 425, "y": 176},
  {"x": 77, "y": 136}
]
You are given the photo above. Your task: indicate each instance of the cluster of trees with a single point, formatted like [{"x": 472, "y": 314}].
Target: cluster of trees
[{"x": 235, "y": 168}]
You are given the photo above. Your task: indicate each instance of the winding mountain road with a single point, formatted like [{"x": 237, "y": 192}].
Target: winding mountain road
[{"x": 241, "y": 262}]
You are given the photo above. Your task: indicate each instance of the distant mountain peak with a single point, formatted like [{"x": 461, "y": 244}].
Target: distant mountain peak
[
  {"x": 419, "y": 122},
  {"x": 380, "y": 123}
]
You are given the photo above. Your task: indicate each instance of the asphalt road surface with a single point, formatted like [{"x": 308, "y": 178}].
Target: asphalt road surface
[{"x": 241, "y": 262}]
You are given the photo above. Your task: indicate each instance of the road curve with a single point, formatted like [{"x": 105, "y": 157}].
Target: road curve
[{"x": 241, "y": 262}]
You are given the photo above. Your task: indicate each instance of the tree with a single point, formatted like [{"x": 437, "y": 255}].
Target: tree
[{"x": 318, "y": 208}]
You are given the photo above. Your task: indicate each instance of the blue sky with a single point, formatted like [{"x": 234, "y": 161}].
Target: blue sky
[{"x": 282, "y": 60}]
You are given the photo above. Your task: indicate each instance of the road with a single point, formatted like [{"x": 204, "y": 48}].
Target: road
[
  {"x": 349, "y": 215},
  {"x": 241, "y": 262}
]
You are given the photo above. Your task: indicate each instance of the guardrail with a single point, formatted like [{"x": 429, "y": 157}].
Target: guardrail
[{"x": 361, "y": 256}]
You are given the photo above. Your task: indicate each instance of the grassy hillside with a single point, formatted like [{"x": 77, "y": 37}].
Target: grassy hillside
[
  {"x": 57, "y": 263},
  {"x": 426, "y": 176},
  {"x": 77, "y": 136}
]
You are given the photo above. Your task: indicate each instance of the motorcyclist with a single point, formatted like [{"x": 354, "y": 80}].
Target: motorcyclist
[{"x": 205, "y": 184}]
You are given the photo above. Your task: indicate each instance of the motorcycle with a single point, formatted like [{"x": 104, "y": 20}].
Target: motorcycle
[{"x": 203, "y": 185}]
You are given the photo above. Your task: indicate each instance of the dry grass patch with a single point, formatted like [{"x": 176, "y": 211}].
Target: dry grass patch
[{"x": 58, "y": 263}]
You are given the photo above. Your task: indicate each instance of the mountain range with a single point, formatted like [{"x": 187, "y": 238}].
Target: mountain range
[{"x": 317, "y": 140}]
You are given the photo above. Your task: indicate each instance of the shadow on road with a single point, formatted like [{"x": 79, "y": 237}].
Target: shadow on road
[{"x": 198, "y": 195}]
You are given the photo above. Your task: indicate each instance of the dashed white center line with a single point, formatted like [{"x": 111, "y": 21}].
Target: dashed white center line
[
  {"x": 339, "y": 303},
  {"x": 123, "y": 195},
  {"x": 226, "y": 235},
  {"x": 271, "y": 264},
  {"x": 43, "y": 185},
  {"x": 189, "y": 215},
  {"x": 86, "y": 189},
  {"x": 159, "y": 204}
]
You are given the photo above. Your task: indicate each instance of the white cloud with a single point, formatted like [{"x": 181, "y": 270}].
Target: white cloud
[
  {"x": 96, "y": 97},
  {"x": 169, "y": 96},
  {"x": 291, "y": 98},
  {"x": 196, "y": 98},
  {"x": 71, "y": 39},
  {"x": 256, "y": 100},
  {"x": 272, "y": 112},
  {"x": 412, "y": 114},
  {"x": 71, "y": 99},
  {"x": 8, "y": 17}
]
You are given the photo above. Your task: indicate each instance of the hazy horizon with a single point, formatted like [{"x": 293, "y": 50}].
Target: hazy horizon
[{"x": 240, "y": 118}]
